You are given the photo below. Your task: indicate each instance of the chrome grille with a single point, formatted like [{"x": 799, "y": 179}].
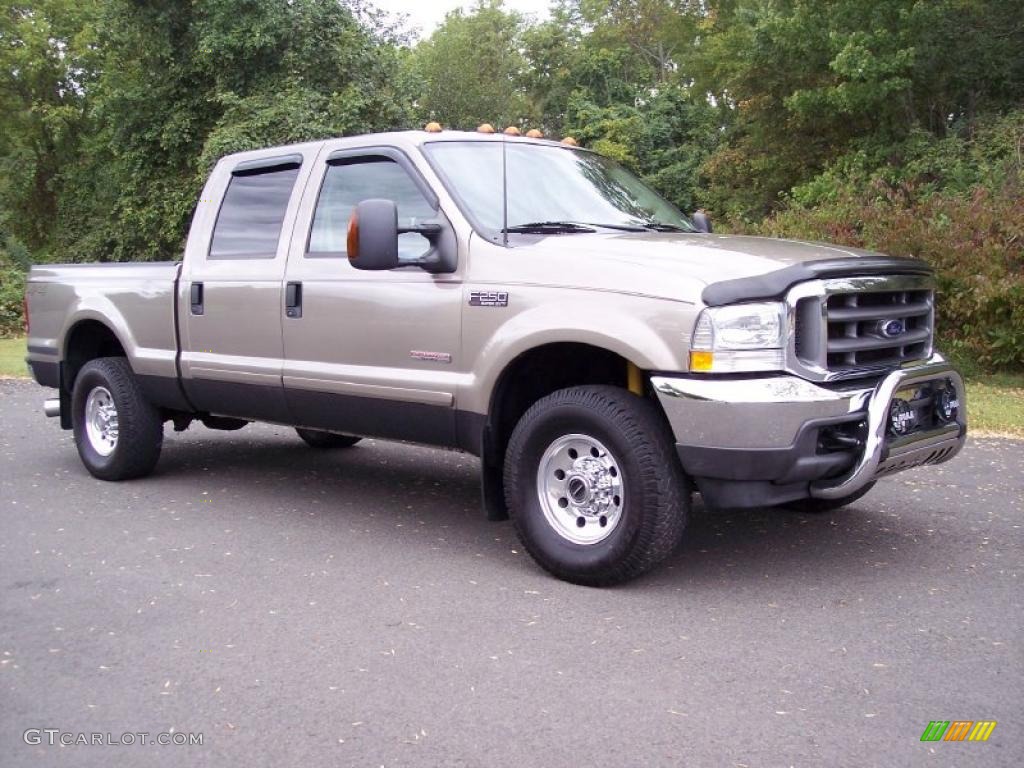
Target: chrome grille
[
  {"x": 847, "y": 327},
  {"x": 859, "y": 324}
]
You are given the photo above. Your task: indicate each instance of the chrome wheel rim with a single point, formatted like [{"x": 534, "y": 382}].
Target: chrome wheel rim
[
  {"x": 101, "y": 421},
  {"x": 580, "y": 488}
]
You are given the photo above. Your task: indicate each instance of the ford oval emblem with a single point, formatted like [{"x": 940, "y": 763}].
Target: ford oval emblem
[{"x": 890, "y": 329}]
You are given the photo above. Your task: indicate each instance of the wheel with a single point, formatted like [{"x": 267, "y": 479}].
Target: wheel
[
  {"x": 323, "y": 441},
  {"x": 593, "y": 485},
  {"x": 819, "y": 506},
  {"x": 118, "y": 432}
]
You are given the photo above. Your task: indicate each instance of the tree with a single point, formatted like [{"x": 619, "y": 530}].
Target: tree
[
  {"x": 471, "y": 68},
  {"x": 185, "y": 82},
  {"x": 48, "y": 64},
  {"x": 809, "y": 81}
]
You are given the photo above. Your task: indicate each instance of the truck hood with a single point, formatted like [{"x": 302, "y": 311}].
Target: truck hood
[{"x": 681, "y": 265}]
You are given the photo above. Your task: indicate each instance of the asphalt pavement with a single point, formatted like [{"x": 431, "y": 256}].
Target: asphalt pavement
[{"x": 301, "y": 608}]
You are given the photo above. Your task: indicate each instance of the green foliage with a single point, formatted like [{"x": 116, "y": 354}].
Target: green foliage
[
  {"x": 665, "y": 138},
  {"x": 470, "y": 68},
  {"x": 14, "y": 261},
  {"x": 114, "y": 110},
  {"x": 893, "y": 124},
  {"x": 812, "y": 80},
  {"x": 958, "y": 205}
]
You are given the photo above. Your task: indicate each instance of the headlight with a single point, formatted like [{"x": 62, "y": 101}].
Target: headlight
[{"x": 742, "y": 337}]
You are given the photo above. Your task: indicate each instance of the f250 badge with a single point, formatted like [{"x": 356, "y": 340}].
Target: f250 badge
[{"x": 488, "y": 299}]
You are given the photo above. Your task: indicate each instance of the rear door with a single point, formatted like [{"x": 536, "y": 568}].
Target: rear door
[
  {"x": 374, "y": 353},
  {"x": 230, "y": 297}
]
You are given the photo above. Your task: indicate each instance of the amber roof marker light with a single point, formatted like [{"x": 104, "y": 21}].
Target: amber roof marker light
[
  {"x": 512, "y": 131},
  {"x": 533, "y": 133},
  {"x": 570, "y": 141},
  {"x": 485, "y": 128},
  {"x": 432, "y": 127}
]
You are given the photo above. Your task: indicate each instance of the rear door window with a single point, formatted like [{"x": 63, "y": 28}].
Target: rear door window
[{"x": 252, "y": 214}]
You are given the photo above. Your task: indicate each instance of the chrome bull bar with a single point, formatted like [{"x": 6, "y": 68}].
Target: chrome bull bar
[{"x": 882, "y": 457}]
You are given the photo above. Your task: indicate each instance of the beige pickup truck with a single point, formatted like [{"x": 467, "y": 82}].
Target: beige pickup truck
[{"x": 524, "y": 300}]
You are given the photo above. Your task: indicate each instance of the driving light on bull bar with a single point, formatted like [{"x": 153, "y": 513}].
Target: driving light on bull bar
[
  {"x": 947, "y": 406},
  {"x": 741, "y": 337}
]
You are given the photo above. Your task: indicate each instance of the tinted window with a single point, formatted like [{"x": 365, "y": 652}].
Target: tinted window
[
  {"x": 249, "y": 223},
  {"x": 347, "y": 184}
]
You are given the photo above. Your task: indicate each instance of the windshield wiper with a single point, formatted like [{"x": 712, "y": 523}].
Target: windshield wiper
[
  {"x": 657, "y": 226},
  {"x": 548, "y": 228},
  {"x": 644, "y": 226},
  {"x": 620, "y": 227}
]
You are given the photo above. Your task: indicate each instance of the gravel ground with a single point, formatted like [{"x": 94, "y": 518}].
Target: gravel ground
[{"x": 355, "y": 608}]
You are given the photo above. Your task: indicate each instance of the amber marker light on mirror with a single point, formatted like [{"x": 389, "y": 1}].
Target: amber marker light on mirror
[
  {"x": 352, "y": 241},
  {"x": 701, "y": 361}
]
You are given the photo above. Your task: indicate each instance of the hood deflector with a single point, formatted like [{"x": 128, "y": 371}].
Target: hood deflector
[{"x": 772, "y": 285}]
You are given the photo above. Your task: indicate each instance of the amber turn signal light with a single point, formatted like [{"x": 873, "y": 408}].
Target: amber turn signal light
[
  {"x": 701, "y": 361},
  {"x": 352, "y": 241}
]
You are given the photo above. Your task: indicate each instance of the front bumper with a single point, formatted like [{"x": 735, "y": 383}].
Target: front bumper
[{"x": 762, "y": 440}]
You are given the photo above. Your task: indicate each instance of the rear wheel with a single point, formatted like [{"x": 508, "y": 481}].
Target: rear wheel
[
  {"x": 594, "y": 487},
  {"x": 118, "y": 432},
  {"x": 818, "y": 506},
  {"x": 323, "y": 441}
]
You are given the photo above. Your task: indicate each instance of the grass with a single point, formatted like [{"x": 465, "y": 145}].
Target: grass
[
  {"x": 12, "y": 358},
  {"x": 995, "y": 401},
  {"x": 995, "y": 405}
]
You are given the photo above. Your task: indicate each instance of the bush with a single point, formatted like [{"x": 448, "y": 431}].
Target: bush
[
  {"x": 14, "y": 262},
  {"x": 975, "y": 242},
  {"x": 956, "y": 203}
]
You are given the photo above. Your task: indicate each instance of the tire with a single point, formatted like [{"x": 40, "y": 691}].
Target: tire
[
  {"x": 632, "y": 496},
  {"x": 820, "y": 506},
  {"x": 324, "y": 441},
  {"x": 107, "y": 388}
]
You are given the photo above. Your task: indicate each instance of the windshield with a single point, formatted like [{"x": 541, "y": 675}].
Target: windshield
[{"x": 549, "y": 189}]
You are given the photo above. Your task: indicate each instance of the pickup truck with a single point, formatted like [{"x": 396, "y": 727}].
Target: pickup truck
[{"x": 522, "y": 299}]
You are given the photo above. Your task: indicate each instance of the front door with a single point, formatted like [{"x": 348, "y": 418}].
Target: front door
[{"x": 370, "y": 353}]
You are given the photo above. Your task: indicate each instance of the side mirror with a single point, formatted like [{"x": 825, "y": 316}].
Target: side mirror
[
  {"x": 373, "y": 239},
  {"x": 373, "y": 235},
  {"x": 702, "y": 221}
]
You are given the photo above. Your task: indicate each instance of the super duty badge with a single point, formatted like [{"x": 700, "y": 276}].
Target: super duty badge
[{"x": 488, "y": 299}]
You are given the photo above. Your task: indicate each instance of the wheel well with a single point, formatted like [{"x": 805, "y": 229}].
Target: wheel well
[
  {"x": 87, "y": 341},
  {"x": 538, "y": 373}
]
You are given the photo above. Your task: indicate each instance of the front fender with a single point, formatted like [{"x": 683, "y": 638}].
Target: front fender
[{"x": 644, "y": 331}]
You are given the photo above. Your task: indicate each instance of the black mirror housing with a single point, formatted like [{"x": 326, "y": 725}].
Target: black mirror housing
[{"x": 373, "y": 235}]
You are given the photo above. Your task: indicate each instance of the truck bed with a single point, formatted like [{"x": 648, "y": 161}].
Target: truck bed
[{"x": 135, "y": 299}]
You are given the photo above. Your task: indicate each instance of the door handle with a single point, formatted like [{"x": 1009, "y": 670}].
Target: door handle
[
  {"x": 196, "y": 298},
  {"x": 293, "y": 300}
]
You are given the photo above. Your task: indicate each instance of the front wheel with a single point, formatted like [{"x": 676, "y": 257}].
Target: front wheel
[
  {"x": 118, "y": 432},
  {"x": 594, "y": 487}
]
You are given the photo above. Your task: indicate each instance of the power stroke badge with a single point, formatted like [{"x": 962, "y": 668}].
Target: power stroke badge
[{"x": 488, "y": 299}]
